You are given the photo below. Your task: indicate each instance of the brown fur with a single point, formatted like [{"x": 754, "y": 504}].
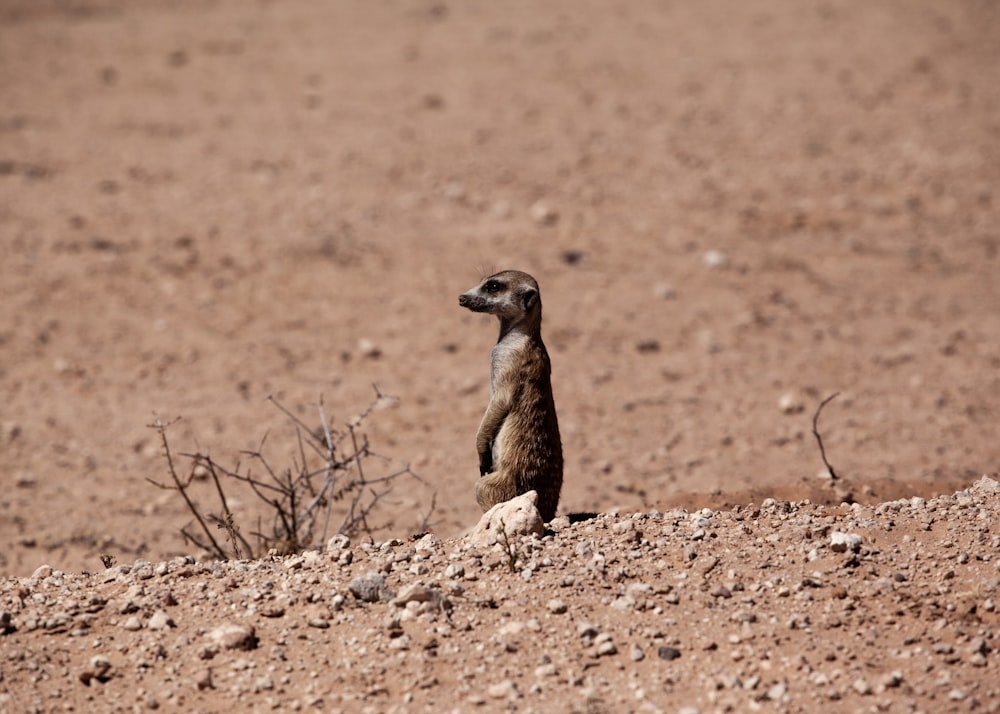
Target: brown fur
[{"x": 518, "y": 439}]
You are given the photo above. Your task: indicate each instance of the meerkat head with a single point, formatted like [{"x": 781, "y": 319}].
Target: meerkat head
[{"x": 511, "y": 295}]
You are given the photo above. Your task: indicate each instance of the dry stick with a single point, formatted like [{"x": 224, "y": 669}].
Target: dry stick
[
  {"x": 227, "y": 515},
  {"x": 361, "y": 480},
  {"x": 819, "y": 439},
  {"x": 162, "y": 428}
]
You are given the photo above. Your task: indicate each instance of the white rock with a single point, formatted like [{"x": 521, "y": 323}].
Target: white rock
[
  {"x": 543, "y": 214},
  {"x": 368, "y": 348},
  {"x": 503, "y": 690},
  {"x": 234, "y": 636},
  {"x": 986, "y": 486},
  {"x": 842, "y": 542},
  {"x": 516, "y": 517},
  {"x": 42, "y": 572},
  {"x": 160, "y": 620},
  {"x": 789, "y": 403},
  {"x": 715, "y": 259}
]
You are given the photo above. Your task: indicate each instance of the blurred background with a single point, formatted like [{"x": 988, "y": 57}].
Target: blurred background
[{"x": 734, "y": 210}]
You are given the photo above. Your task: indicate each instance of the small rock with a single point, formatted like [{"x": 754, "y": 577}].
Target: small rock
[
  {"x": 133, "y": 623},
  {"x": 636, "y": 653},
  {"x": 318, "y": 616},
  {"x": 368, "y": 348},
  {"x": 42, "y": 572},
  {"x": 543, "y": 214},
  {"x": 556, "y": 606},
  {"x": 843, "y": 542},
  {"x": 516, "y": 517},
  {"x": 789, "y": 403},
  {"x": 715, "y": 259},
  {"x": 668, "y": 653},
  {"x": 604, "y": 645},
  {"x": 338, "y": 543},
  {"x": 160, "y": 621},
  {"x": 422, "y": 594},
  {"x": 546, "y": 670},
  {"x": 427, "y": 544},
  {"x": 203, "y": 680},
  {"x": 234, "y": 636},
  {"x": 861, "y": 686},
  {"x": 455, "y": 571},
  {"x": 503, "y": 690},
  {"x": 371, "y": 588},
  {"x": 98, "y": 669},
  {"x": 623, "y": 603},
  {"x": 891, "y": 680},
  {"x": 986, "y": 486},
  {"x": 777, "y": 691}
]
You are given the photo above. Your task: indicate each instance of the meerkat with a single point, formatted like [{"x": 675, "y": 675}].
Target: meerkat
[{"x": 518, "y": 438}]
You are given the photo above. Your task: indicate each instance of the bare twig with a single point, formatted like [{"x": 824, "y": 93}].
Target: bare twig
[
  {"x": 819, "y": 439},
  {"x": 302, "y": 498},
  {"x": 180, "y": 486}
]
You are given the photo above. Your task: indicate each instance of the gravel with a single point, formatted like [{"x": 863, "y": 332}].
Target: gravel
[{"x": 788, "y": 603}]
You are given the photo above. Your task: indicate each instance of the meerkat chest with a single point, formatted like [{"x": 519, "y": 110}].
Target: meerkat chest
[{"x": 505, "y": 357}]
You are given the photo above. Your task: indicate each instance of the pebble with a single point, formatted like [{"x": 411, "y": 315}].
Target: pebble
[
  {"x": 715, "y": 259},
  {"x": 604, "y": 645},
  {"x": 668, "y": 653},
  {"x": 422, "y": 594},
  {"x": 843, "y": 542},
  {"x": 234, "y": 636},
  {"x": 368, "y": 348},
  {"x": 371, "y": 588},
  {"x": 133, "y": 623},
  {"x": 455, "y": 571},
  {"x": 543, "y": 214},
  {"x": 42, "y": 572},
  {"x": 861, "y": 686},
  {"x": 203, "y": 680},
  {"x": 97, "y": 669},
  {"x": 789, "y": 403},
  {"x": 776, "y": 692},
  {"x": 503, "y": 690},
  {"x": 556, "y": 606},
  {"x": 636, "y": 653},
  {"x": 160, "y": 620}
]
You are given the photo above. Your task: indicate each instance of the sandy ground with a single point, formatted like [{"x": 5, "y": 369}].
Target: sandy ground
[{"x": 734, "y": 210}]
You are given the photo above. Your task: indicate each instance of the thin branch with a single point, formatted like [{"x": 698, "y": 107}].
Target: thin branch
[
  {"x": 179, "y": 486},
  {"x": 819, "y": 439}
]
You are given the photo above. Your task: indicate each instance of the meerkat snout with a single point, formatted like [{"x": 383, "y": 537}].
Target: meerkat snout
[{"x": 518, "y": 439}]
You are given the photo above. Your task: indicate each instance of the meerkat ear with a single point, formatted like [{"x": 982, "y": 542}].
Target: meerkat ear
[{"x": 530, "y": 297}]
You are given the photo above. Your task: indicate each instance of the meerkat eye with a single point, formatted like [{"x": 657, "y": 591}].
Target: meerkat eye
[{"x": 493, "y": 286}]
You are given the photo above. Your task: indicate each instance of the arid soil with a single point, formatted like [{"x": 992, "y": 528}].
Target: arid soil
[
  {"x": 784, "y": 606},
  {"x": 734, "y": 211}
]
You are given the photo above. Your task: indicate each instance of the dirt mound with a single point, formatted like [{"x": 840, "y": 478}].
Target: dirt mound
[{"x": 793, "y": 604}]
